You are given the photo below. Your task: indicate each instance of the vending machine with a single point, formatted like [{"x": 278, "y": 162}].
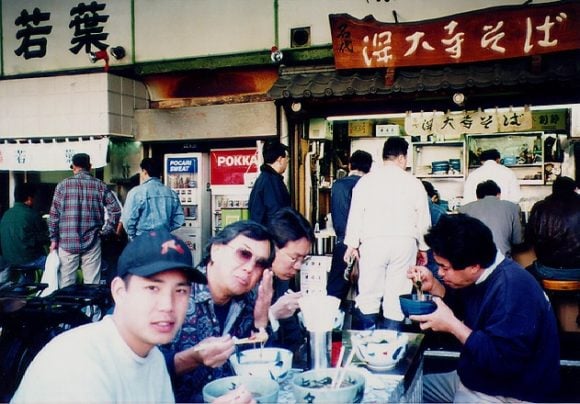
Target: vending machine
[
  {"x": 232, "y": 175},
  {"x": 188, "y": 174}
]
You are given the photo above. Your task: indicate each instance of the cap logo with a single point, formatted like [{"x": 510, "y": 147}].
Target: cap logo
[{"x": 173, "y": 245}]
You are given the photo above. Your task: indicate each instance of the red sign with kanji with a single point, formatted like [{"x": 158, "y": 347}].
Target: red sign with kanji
[
  {"x": 228, "y": 166},
  {"x": 490, "y": 34}
]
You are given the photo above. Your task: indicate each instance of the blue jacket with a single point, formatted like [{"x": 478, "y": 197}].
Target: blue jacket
[
  {"x": 514, "y": 348},
  {"x": 268, "y": 195},
  {"x": 149, "y": 206}
]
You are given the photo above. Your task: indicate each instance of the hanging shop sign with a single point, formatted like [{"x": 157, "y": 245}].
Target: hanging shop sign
[
  {"x": 452, "y": 125},
  {"x": 490, "y": 34},
  {"x": 51, "y": 155},
  {"x": 232, "y": 166}
]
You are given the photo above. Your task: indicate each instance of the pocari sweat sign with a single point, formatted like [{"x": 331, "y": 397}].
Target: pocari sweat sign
[{"x": 182, "y": 165}]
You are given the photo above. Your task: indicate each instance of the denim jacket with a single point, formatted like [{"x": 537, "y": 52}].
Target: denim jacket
[{"x": 149, "y": 206}]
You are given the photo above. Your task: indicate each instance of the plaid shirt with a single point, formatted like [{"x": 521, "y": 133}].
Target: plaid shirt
[{"x": 77, "y": 213}]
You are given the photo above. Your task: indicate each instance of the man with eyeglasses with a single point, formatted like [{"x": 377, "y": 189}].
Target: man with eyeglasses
[
  {"x": 293, "y": 237},
  {"x": 230, "y": 305},
  {"x": 269, "y": 193}
]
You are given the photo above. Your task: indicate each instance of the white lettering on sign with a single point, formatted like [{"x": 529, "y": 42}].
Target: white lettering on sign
[
  {"x": 236, "y": 160},
  {"x": 181, "y": 165}
]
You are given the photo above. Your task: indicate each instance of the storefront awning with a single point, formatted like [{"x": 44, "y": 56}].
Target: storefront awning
[
  {"x": 326, "y": 83},
  {"x": 51, "y": 154}
]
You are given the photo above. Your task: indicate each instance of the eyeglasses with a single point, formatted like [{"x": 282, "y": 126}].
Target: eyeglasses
[
  {"x": 295, "y": 260},
  {"x": 243, "y": 255}
]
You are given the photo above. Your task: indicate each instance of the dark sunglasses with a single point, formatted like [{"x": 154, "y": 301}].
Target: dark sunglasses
[{"x": 243, "y": 255}]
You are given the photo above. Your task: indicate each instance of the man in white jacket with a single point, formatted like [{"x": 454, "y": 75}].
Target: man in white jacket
[
  {"x": 388, "y": 217},
  {"x": 491, "y": 169}
]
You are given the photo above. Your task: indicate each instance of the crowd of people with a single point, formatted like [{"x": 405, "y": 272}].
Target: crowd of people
[{"x": 174, "y": 321}]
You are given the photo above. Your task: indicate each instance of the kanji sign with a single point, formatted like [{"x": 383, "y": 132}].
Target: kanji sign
[{"x": 490, "y": 34}]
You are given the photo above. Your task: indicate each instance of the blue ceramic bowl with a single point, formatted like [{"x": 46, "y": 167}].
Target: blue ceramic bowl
[
  {"x": 410, "y": 305},
  {"x": 264, "y": 390},
  {"x": 313, "y": 386}
]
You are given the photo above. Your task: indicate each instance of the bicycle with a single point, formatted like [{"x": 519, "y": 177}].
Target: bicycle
[{"x": 28, "y": 322}]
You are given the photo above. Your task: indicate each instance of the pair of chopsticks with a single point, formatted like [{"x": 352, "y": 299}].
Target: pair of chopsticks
[
  {"x": 237, "y": 341},
  {"x": 341, "y": 370}
]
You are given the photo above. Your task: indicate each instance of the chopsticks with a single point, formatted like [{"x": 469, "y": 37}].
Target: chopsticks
[
  {"x": 341, "y": 371},
  {"x": 258, "y": 339}
]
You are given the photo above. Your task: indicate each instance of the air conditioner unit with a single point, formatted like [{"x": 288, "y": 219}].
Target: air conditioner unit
[{"x": 319, "y": 129}]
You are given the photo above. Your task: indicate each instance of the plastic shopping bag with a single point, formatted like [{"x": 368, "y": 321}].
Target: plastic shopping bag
[{"x": 50, "y": 274}]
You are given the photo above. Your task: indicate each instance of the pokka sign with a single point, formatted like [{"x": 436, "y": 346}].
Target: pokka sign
[
  {"x": 231, "y": 166},
  {"x": 490, "y": 34}
]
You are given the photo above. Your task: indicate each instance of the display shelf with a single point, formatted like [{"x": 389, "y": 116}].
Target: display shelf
[
  {"x": 425, "y": 153},
  {"x": 526, "y": 147}
]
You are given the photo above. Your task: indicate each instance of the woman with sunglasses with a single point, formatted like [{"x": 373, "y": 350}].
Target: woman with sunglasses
[{"x": 230, "y": 305}]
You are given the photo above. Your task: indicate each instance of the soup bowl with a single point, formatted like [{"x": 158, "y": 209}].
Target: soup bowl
[
  {"x": 380, "y": 349},
  {"x": 273, "y": 363},
  {"x": 263, "y": 390},
  {"x": 315, "y": 386},
  {"x": 411, "y": 305}
]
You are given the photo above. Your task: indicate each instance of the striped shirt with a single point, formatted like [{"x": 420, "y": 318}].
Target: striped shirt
[{"x": 77, "y": 214}]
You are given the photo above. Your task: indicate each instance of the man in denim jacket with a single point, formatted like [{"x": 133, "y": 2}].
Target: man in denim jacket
[{"x": 151, "y": 205}]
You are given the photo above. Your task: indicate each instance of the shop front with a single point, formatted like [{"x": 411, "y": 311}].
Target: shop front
[{"x": 504, "y": 78}]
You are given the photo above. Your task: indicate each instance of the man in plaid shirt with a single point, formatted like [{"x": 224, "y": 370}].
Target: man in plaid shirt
[{"x": 77, "y": 220}]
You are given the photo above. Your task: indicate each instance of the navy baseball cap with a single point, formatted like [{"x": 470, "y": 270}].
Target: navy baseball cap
[{"x": 157, "y": 251}]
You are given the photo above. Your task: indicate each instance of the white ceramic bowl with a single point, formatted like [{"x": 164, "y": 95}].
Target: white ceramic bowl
[
  {"x": 273, "y": 363},
  {"x": 313, "y": 386},
  {"x": 380, "y": 349}
]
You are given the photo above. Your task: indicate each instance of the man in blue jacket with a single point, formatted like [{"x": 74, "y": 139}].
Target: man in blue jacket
[
  {"x": 269, "y": 193},
  {"x": 498, "y": 312}
]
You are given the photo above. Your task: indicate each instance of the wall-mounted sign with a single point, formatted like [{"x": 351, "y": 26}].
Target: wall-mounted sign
[
  {"x": 228, "y": 166},
  {"x": 490, "y": 34},
  {"x": 51, "y": 155},
  {"x": 452, "y": 125}
]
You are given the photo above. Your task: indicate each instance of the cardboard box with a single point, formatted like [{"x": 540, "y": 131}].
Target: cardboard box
[{"x": 360, "y": 128}]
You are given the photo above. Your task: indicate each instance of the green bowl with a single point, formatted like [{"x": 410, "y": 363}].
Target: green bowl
[
  {"x": 313, "y": 386},
  {"x": 263, "y": 389}
]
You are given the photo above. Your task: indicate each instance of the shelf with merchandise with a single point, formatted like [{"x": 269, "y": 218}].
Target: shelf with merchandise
[
  {"x": 441, "y": 160},
  {"x": 522, "y": 152}
]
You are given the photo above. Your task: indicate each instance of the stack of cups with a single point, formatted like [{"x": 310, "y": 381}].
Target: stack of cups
[{"x": 319, "y": 314}]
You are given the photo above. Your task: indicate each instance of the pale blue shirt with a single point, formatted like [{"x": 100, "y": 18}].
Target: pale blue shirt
[{"x": 149, "y": 206}]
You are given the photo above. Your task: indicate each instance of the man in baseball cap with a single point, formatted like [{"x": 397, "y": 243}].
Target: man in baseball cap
[{"x": 117, "y": 359}]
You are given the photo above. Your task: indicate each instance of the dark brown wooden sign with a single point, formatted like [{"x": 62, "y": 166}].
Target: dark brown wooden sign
[{"x": 494, "y": 33}]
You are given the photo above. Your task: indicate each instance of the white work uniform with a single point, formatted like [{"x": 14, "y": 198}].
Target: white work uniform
[
  {"x": 504, "y": 177},
  {"x": 388, "y": 217}
]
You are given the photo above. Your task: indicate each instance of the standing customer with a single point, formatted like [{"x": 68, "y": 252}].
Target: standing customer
[
  {"x": 116, "y": 359},
  {"x": 388, "y": 216},
  {"x": 499, "y": 314},
  {"x": 23, "y": 232},
  {"x": 491, "y": 169},
  {"x": 360, "y": 163},
  {"x": 77, "y": 219},
  {"x": 502, "y": 217},
  {"x": 553, "y": 230},
  {"x": 269, "y": 193},
  {"x": 151, "y": 205}
]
